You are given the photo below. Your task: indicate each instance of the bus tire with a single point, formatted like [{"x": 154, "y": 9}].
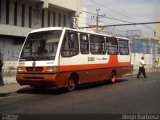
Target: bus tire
[
  {"x": 73, "y": 81},
  {"x": 112, "y": 79},
  {"x": 71, "y": 86}
]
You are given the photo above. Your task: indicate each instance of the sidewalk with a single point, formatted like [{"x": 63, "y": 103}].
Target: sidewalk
[
  {"x": 12, "y": 88},
  {"x": 9, "y": 89},
  {"x": 135, "y": 72}
]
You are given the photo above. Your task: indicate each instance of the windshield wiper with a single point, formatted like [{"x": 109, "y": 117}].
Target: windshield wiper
[
  {"x": 37, "y": 58},
  {"x": 31, "y": 58}
]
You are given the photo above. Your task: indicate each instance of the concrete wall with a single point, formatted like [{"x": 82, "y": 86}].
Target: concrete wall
[
  {"x": 136, "y": 57},
  {"x": 82, "y": 21},
  {"x": 74, "y": 5},
  {"x": 9, "y": 51},
  {"x": 14, "y": 30}
]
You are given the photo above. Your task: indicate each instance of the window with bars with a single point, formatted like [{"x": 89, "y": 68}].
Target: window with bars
[
  {"x": 7, "y": 11},
  {"x": 23, "y": 15},
  {"x": 54, "y": 19},
  {"x": 43, "y": 18},
  {"x": 48, "y": 18},
  {"x": 59, "y": 20},
  {"x": 30, "y": 17},
  {"x": 15, "y": 13}
]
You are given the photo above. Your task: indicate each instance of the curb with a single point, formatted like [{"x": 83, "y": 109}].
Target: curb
[
  {"x": 5, "y": 94},
  {"x": 9, "y": 89}
]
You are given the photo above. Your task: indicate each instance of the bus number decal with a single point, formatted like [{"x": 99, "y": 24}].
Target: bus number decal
[{"x": 91, "y": 58}]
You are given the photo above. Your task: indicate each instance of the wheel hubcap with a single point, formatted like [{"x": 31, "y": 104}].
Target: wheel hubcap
[{"x": 71, "y": 85}]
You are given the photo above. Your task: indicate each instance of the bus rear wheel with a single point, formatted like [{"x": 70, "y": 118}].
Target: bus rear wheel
[
  {"x": 113, "y": 77},
  {"x": 71, "y": 85}
]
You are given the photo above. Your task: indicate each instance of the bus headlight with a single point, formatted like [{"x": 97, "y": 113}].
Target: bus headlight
[
  {"x": 52, "y": 69},
  {"x": 20, "y": 69}
]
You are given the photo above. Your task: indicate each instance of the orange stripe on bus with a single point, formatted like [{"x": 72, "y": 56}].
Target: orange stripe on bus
[
  {"x": 91, "y": 66},
  {"x": 113, "y": 62}
]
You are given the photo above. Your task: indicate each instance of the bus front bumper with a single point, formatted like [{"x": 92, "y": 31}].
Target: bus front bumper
[{"x": 48, "y": 80}]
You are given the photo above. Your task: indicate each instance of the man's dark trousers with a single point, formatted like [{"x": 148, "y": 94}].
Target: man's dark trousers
[{"x": 141, "y": 70}]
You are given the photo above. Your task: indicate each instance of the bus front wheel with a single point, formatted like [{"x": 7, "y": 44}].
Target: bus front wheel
[{"x": 71, "y": 85}]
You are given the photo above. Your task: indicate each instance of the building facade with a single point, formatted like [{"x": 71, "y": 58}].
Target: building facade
[
  {"x": 19, "y": 17},
  {"x": 157, "y": 27}
]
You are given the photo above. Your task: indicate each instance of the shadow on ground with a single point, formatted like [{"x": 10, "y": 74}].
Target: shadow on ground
[
  {"x": 5, "y": 94},
  {"x": 55, "y": 91}
]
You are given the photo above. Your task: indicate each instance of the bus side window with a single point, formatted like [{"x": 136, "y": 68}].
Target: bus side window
[
  {"x": 97, "y": 45},
  {"x": 112, "y": 46},
  {"x": 84, "y": 44},
  {"x": 123, "y": 47},
  {"x": 70, "y": 45}
]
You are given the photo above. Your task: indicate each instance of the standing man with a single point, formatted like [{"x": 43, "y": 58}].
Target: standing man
[{"x": 141, "y": 68}]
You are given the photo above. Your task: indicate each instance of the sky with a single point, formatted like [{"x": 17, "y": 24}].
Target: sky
[{"x": 126, "y": 10}]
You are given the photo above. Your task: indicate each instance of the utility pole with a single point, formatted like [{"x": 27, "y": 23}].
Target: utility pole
[{"x": 97, "y": 19}]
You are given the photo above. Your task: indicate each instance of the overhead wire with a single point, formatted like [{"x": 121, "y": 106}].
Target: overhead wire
[
  {"x": 119, "y": 13},
  {"x": 109, "y": 17}
]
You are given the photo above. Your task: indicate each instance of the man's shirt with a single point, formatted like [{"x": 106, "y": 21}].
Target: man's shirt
[{"x": 141, "y": 63}]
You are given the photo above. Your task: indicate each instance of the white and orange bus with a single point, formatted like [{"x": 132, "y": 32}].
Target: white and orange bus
[{"x": 64, "y": 57}]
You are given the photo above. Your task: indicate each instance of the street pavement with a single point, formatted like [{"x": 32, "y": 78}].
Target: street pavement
[
  {"x": 128, "y": 95},
  {"x": 128, "y": 99}
]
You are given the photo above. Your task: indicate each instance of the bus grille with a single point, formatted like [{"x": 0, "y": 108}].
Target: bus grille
[{"x": 34, "y": 69}]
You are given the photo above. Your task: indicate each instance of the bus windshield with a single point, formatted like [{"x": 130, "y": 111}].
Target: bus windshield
[{"x": 41, "y": 46}]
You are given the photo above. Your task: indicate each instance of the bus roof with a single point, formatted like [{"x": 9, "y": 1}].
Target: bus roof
[
  {"x": 46, "y": 29},
  {"x": 77, "y": 30}
]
